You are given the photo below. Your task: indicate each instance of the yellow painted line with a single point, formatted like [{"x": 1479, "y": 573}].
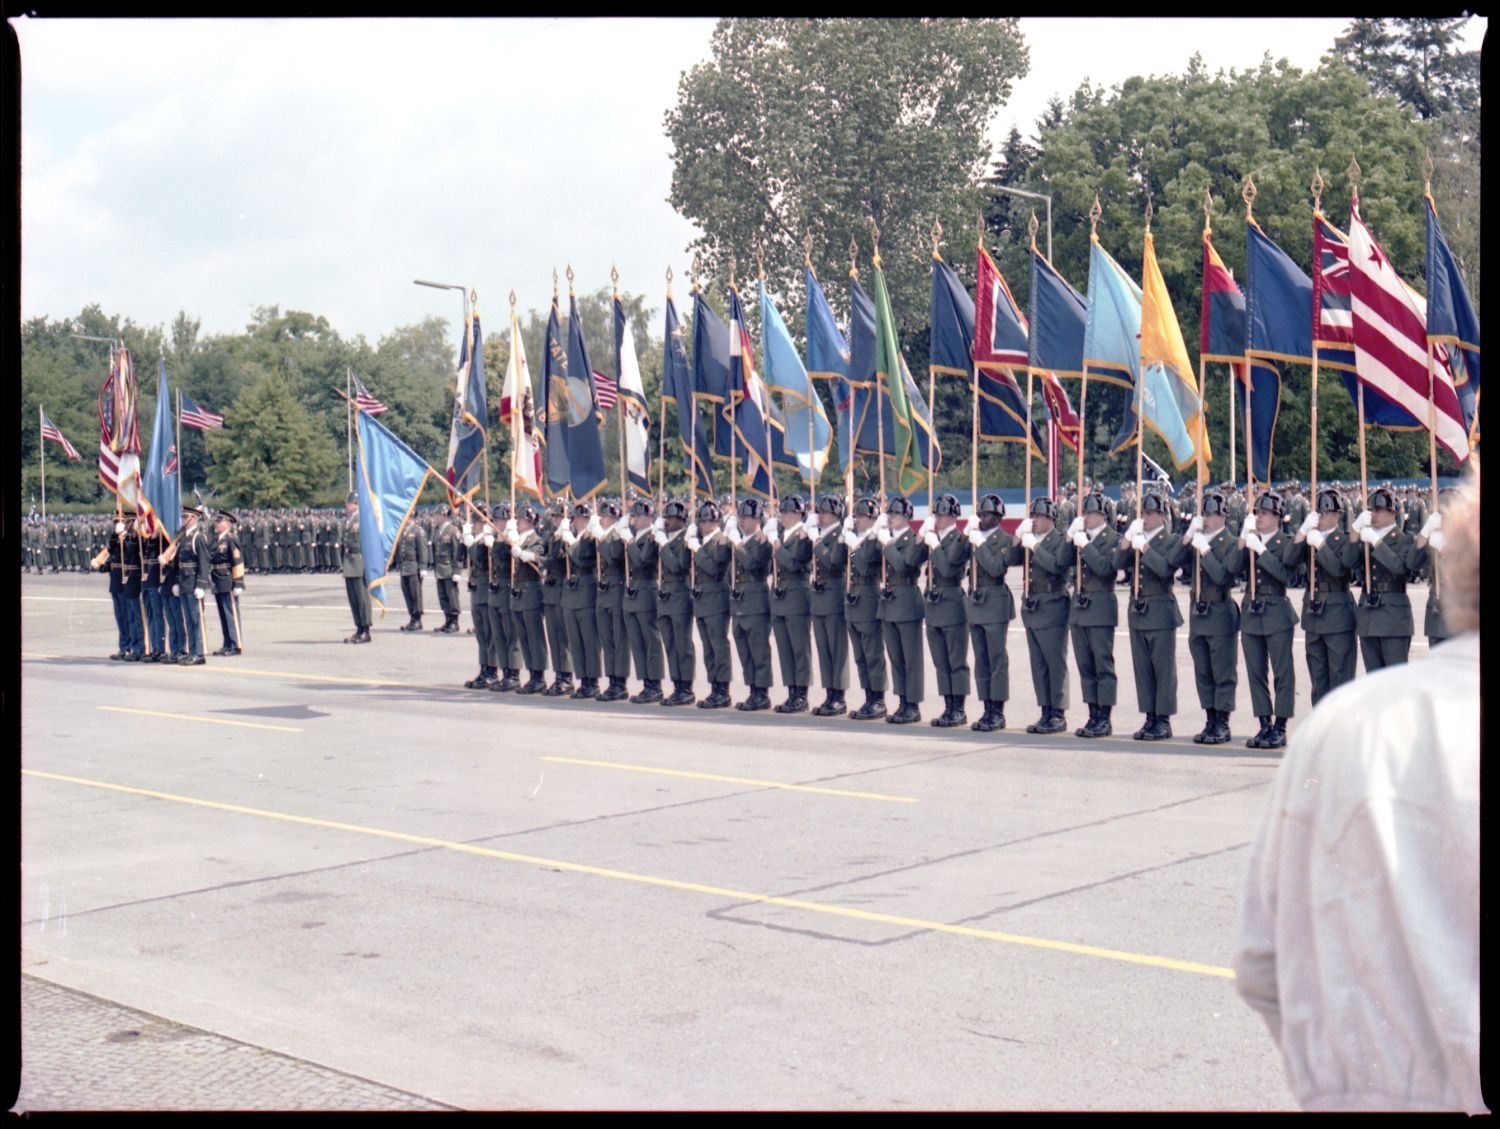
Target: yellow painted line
[
  {"x": 719, "y": 892},
  {"x": 734, "y": 780},
  {"x": 195, "y": 717}
]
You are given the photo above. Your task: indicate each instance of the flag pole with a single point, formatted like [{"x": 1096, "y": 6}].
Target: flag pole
[
  {"x": 974, "y": 437},
  {"x": 879, "y": 396},
  {"x": 1353, "y": 174},
  {"x": 1140, "y": 439},
  {"x": 661, "y": 435},
  {"x": 41, "y": 447},
  {"x": 812, "y": 463},
  {"x": 1208, "y": 227},
  {"x": 1431, "y": 378},
  {"x": 1312, "y": 458},
  {"x": 849, "y": 454},
  {"x": 614, "y": 282},
  {"x": 1095, "y": 211},
  {"x": 937, "y": 236},
  {"x": 1233, "y": 473},
  {"x": 1247, "y": 194},
  {"x": 348, "y": 425},
  {"x": 517, "y": 410}
]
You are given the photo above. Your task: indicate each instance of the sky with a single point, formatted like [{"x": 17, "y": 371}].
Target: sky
[{"x": 215, "y": 166}]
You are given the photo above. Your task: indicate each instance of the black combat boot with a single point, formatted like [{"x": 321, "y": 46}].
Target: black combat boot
[
  {"x": 1207, "y": 736},
  {"x": 511, "y": 681},
  {"x": 587, "y": 688},
  {"x": 987, "y": 722},
  {"x": 1099, "y": 725},
  {"x": 833, "y": 705},
  {"x": 1259, "y": 740},
  {"x": 796, "y": 701},
  {"x": 717, "y": 699},
  {"x": 1081, "y": 731},
  {"x": 1162, "y": 730},
  {"x": 873, "y": 708},
  {"x": 479, "y": 682},
  {"x": 1052, "y": 721},
  {"x": 1146, "y": 727},
  {"x": 1221, "y": 728},
  {"x": 616, "y": 692},
  {"x": 650, "y": 693},
  {"x": 682, "y": 694},
  {"x": 758, "y": 700},
  {"x": 537, "y": 685},
  {"x": 906, "y": 714},
  {"x": 561, "y": 686},
  {"x": 1276, "y": 738}
]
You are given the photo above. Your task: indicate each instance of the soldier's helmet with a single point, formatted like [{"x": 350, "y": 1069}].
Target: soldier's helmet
[
  {"x": 352, "y": 498},
  {"x": 1214, "y": 503},
  {"x": 225, "y": 515},
  {"x": 1330, "y": 501},
  {"x": 609, "y": 508},
  {"x": 1043, "y": 507},
  {"x": 1092, "y": 504},
  {"x": 1153, "y": 504},
  {"x": 752, "y": 507},
  {"x": 527, "y": 512},
  {"x": 831, "y": 504},
  {"x": 443, "y": 510},
  {"x": 946, "y": 505},
  {"x": 1270, "y": 503},
  {"x": 899, "y": 507},
  {"x": 500, "y": 511},
  {"x": 793, "y": 504},
  {"x": 642, "y": 507},
  {"x": 675, "y": 508},
  {"x": 1383, "y": 499},
  {"x": 708, "y": 510},
  {"x": 582, "y": 509},
  {"x": 557, "y": 508},
  {"x": 866, "y": 507},
  {"x": 992, "y": 504}
]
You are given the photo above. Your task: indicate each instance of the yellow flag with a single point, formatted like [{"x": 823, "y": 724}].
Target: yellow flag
[{"x": 1169, "y": 385}]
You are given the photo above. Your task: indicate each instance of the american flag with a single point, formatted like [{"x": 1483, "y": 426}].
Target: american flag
[
  {"x": 49, "y": 431},
  {"x": 200, "y": 418},
  {"x": 364, "y": 401},
  {"x": 119, "y": 437},
  {"x": 608, "y": 391}
]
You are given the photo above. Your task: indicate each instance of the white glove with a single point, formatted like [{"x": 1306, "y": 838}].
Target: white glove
[
  {"x": 1196, "y": 525},
  {"x": 1134, "y": 529},
  {"x": 884, "y": 536},
  {"x": 852, "y": 539},
  {"x": 468, "y": 537},
  {"x": 882, "y": 521},
  {"x": 731, "y": 522},
  {"x": 1248, "y": 526},
  {"x": 1138, "y": 543},
  {"x": 526, "y": 556},
  {"x": 692, "y": 532},
  {"x": 595, "y": 528},
  {"x": 1309, "y": 523},
  {"x": 569, "y": 537},
  {"x": 1081, "y": 539},
  {"x": 1437, "y": 539},
  {"x": 1254, "y": 543},
  {"x": 198, "y": 593},
  {"x": 622, "y": 530},
  {"x": 1431, "y": 525},
  {"x": 1200, "y": 543},
  {"x": 1030, "y": 540},
  {"x": 930, "y": 539},
  {"x": 489, "y": 539},
  {"x": 511, "y": 536},
  {"x": 692, "y": 543},
  {"x": 771, "y": 526},
  {"x": 1075, "y": 526},
  {"x": 734, "y": 536},
  {"x": 1024, "y": 528},
  {"x": 660, "y": 525},
  {"x": 510, "y": 525},
  {"x": 175, "y": 592},
  {"x": 1316, "y": 538},
  {"x": 771, "y": 539},
  {"x": 1369, "y": 536},
  {"x": 468, "y": 529},
  {"x": 239, "y": 589},
  {"x": 976, "y": 536},
  {"x": 421, "y": 574},
  {"x": 848, "y": 524},
  {"x": 1362, "y": 521},
  {"x": 659, "y": 536}
]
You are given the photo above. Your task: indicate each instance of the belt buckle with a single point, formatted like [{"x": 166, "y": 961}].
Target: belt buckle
[
  {"x": 1200, "y": 607},
  {"x": 697, "y": 593},
  {"x": 631, "y": 592},
  {"x": 1138, "y": 606},
  {"x": 819, "y": 586},
  {"x": 550, "y": 582},
  {"x": 602, "y": 585},
  {"x": 1082, "y": 600},
  {"x": 978, "y": 595},
  {"x": 779, "y": 593},
  {"x": 851, "y": 598},
  {"x": 1316, "y": 606}
]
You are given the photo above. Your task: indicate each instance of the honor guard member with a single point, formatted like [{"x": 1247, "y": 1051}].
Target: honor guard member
[
  {"x": 446, "y": 545},
  {"x": 305, "y": 539},
  {"x": 414, "y": 557},
  {"x": 862, "y": 607},
  {"x": 990, "y": 609},
  {"x": 1094, "y": 613},
  {"x": 505, "y": 653},
  {"x": 1125, "y": 512},
  {"x": 1153, "y": 554},
  {"x": 170, "y": 607},
  {"x": 825, "y": 604},
  {"x": 1267, "y": 619},
  {"x": 479, "y": 593},
  {"x": 193, "y": 566},
  {"x": 352, "y": 556},
  {"x": 713, "y": 554},
  {"x": 111, "y": 560},
  {"x": 1427, "y": 547},
  {"x": 580, "y": 595},
  {"x": 227, "y": 570},
  {"x": 1044, "y": 610},
  {"x": 609, "y": 611},
  {"x": 1213, "y": 616},
  {"x": 641, "y": 555},
  {"x": 1065, "y": 509},
  {"x": 791, "y": 613},
  {"x": 526, "y": 596},
  {"x": 750, "y": 603},
  {"x": 130, "y": 571},
  {"x": 1327, "y": 607},
  {"x": 947, "y": 626},
  {"x": 1383, "y": 619},
  {"x": 1236, "y": 509},
  {"x": 152, "y": 547},
  {"x": 674, "y": 601},
  {"x": 554, "y": 577},
  {"x": 901, "y": 609}
]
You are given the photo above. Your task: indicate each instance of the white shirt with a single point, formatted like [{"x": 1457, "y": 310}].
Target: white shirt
[{"x": 1359, "y": 916}]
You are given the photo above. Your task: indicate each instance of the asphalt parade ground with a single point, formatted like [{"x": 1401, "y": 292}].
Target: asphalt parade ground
[{"x": 327, "y": 876}]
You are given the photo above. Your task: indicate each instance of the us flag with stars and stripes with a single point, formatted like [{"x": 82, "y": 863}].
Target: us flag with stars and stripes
[
  {"x": 200, "y": 418},
  {"x": 50, "y": 431},
  {"x": 608, "y": 391},
  {"x": 366, "y": 402}
]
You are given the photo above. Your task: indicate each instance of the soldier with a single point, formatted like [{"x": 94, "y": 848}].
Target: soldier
[
  {"x": 1125, "y": 512},
  {"x": 862, "y": 608},
  {"x": 1044, "y": 611},
  {"x": 353, "y": 568},
  {"x": 1094, "y": 612},
  {"x": 526, "y": 596},
  {"x": 447, "y": 545},
  {"x": 1427, "y": 546},
  {"x": 674, "y": 601},
  {"x": 791, "y": 622},
  {"x": 111, "y": 560},
  {"x": 1150, "y": 556},
  {"x": 948, "y": 554},
  {"x": 1267, "y": 619},
  {"x": 990, "y": 608},
  {"x": 504, "y": 652},
  {"x": 644, "y": 642},
  {"x": 825, "y": 604},
  {"x": 478, "y": 555},
  {"x": 712, "y": 556},
  {"x": 413, "y": 558},
  {"x": 554, "y": 577},
  {"x": 305, "y": 539},
  {"x": 1235, "y": 507},
  {"x": 901, "y": 609},
  {"x": 227, "y": 571},
  {"x": 579, "y": 598},
  {"x": 750, "y": 603},
  {"x": 191, "y": 560},
  {"x": 1328, "y": 615},
  {"x": 609, "y": 612},
  {"x": 152, "y": 547},
  {"x": 1383, "y": 619},
  {"x": 1214, "y": 617},
  {"x": 1066, "y": 509}
]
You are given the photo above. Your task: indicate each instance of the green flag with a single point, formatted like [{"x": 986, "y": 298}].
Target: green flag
[{"x": 890, "y": 374}]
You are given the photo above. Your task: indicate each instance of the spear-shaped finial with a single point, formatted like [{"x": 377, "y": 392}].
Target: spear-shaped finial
[
  {"x": 875, "y": 240},
  {"x": 807, "y": 246},
  {"x": 937, "y": 236},
  {"x": 1247, "y": 194},
  {"x": 669, "y": 280},
  {"x": 1427, "y": 167},
  {"x": 473, "y": 297},
  {"x": 1150, "y": 212},
  {"x": 1094, "y": 213},
  {"x": 697, "y": 269},
  {"x": 1317, "y": 187},
  {"x": 554, "y": 284},
  {"x": 1208, "y": 209},
  {"x": 513, "y": 299},
  {"x": 1354, "y": 174},
  {"x": 614, "y": 279},
  {"x": 853, "y": 258},
  {"x": 1034, "y": 225},
  {"x": 760, "y": 259},
  {"x": 570, "y": 280}
]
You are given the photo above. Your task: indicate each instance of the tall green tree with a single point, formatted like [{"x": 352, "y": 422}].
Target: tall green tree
[
  {"x": 1418, "y": 60},
  {"x": 274, "y": 453}
]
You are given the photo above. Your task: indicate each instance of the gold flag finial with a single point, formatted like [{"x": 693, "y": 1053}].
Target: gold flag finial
[
  {"x": 979, "y": 228},
  {"x": 669, "y": 280},
  {"x": 1033, "y": 225},
  {"x": 875, "y": 241},
  {"x": 853, "y": 257},
  {"x": 1095, "y": 212},
  {"x": 1150, "y": 212},
  {"x": 570, "y": 280},
  {"x": 733, "y": 263},
  {"x": 760, "y": 259},
  {"x": 807, "y": 246},
  {"x": 512, "y": 298},
  {"x": 554, "y": 284},
  {"x": 614, "y": 279},
  {"x": 1247, "y": 194},
  {"x": 937, "y": 236},
  {"x": 1427, "y": 167},
  {"x": 1208, "y": 209},
  {"x": 697, "y": 269},
  {"x": 1317, "y": 187},
  {"x": 1354, "y": 174},
  {"x": 473, "y": 298}
]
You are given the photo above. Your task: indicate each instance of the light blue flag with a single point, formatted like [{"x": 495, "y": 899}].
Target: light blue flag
[
  {"x": 391, "y": 479},
  {"x": 807, "y": 435},
  {"x": 162, "y": 480},
  {"x": 1112, "y": 328},
  {"x": 828, "y": 358}
]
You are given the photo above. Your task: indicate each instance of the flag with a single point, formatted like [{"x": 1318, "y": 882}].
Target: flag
[
  {"x": 828, "y": 358},
  {"x": 1059, "y": 321},
  {"x": 1112, "y": 332},
  {"x": 1158, "y": 473},
  {"x": 119, "y": 432},
  {"x": 366, "y": 402},
  {"x": 745, "y": 406},
  {"x": 466, "y": 436},
  {"x": 1278, "y": 327},
  {"x": 891, "y": 380},
  {"x": 807, "y": 434},
  {"x": 1061, "y": 416},
  {"x": 993, "y": 350},
  {"x": 677, "y": 389},
  {"x": 160, "y": 481},
  {"x": 1390, "y": 340},
  {"x": 50, "y": 431},
  {"x": 391, "y": 479},
  {"x": 711, "y": 370},
  {"x": 200, "y": 418},
  {"x": 517, "y": 412},
  {"x": 634, "y": 418},
  {"x": 873, "y": 426},
  {"x": 1451, "y": 320},
  {"x": 581, "y": 419},
  {"x": 607, "y": 390},
  {"x": 1225, "y": 339}
]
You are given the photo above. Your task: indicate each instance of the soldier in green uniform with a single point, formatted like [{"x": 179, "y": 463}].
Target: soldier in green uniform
[
  {"x": 609, "y": 609},
  {"x": 674, "y": 601},
  {"x": 948, "y": 553},
  {"x": 554, "y": 581},
  {"x": 526, "y": 596},
  {"x": 478, "y": 548},
  {"x": 825, "y": 604},
  {"x": 1150, "y": 556},
  {"x": 641, "y": 634},
  {"x": 791, "y": 614},
  {"x": 1328, "y": 617},
  {"x": 1266, "y": 621},
  {"x": 1214, "y": 617},
  {"x": 713, "y": 554},
  {"x": 1066, "y": 508},
  {"x": 1383, "y": 619},
  {"x": 413, "y": 559},
  {"x": 750, "y": 603},
  {"x": 504, "y": 646},
  {"x": 152, "y": 574},
  {"x": 901, "y": 609},
  {"x": 1125, "y": 512},
  {"x": 990, "y": 609},
  {"x": 862, "y": 608},
  {"x": 353, "y": 567},
  {"x": 1094, "y": 612},
  {"x": 1235, "y": 507},
  {"x": 1044, "y": 610},
  {"x": 579, "y": 599},
  {"x": 305, "y": 537},
  {"x": 446, "y": 545}
]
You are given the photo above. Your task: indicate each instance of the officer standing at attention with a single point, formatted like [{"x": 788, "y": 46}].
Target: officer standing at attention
[
  {"x": 446, "y": 550},
  {"x": 352, "y": 555},
  {"x": 674, "y": 601},
  {"x": 609, "y": 612},
  {"x": 526, "y": 596},
  {"x": 901, "y": 609},
  {"x": 554, "y": 579},
  {"x": 111, "y": 559},
  {"x": 948, "y": 554},
  {"x": 191, "y": 559},
  {"x": 862, "y": 608},
  {"x": 1383, "y": 618},
  {"x": 414, "y": 556},
  {"x": 989, "y": 610},
  {"x": 152, "y": 547},
  {"x": 712, "y": 556},
  {"x": 1094, "y": 612},
  {"x": 792, "y": 553},
  {"x": 227, "y": 567},
  {"x": 750, "y": 603},
  {"x": 479, "y": 593},
  {"x": 1044, "y": 611},
  {"x": 1267, "y": 619},
  {"x": 641, "y": 634},
  {"x": 505, "y": 647},
  {"x": 826, "y": 605},
  {"x": 580, "y": 595},
  {"x": 1214, "y": 617},
  {"x": 1149, "y": 552},
  {"x": 1327, "y": 606}
]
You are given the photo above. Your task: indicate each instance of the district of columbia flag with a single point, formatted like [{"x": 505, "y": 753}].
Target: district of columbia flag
[
  {"x": 50, "y": 431},
  {"x": 518, "y": 414},
  {"x": 631, "y": 391},
  {"x": 199, "y": 418}
]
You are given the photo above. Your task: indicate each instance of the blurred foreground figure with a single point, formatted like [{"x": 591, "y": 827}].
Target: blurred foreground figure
[{"x": 1359, "y": 919}]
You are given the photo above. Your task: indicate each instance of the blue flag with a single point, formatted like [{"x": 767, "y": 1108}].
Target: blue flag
[
  {"x": 161, "y": 479},
  {"x": 1059, "y": 318},
  {"x": 807, "y": 435},
  {"x": 1278, "y": 327},
  {"x": 1451, "y": 319},
  {"x": 677, "y": 389},
  {"x": 875, "y": 430},
  {"x": 828, "y": 358},
  {"x": 748, "y": 407},
  {"x": 391, "y": 478},
  {"x": 583, "y": 420},
  {"x": 711, "y": 369},
  {"x": 467, "y": 435}
]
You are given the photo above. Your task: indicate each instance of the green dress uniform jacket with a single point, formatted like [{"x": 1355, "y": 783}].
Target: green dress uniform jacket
[
  {"x": 989, "y": 610},
  {"x": 1383, "y": 619},
  {"x": 791, "y": 620},
  {"x": 554, "y": 577},
  {"x": 1044, "y": 613},
  {"x": 862, "y": 614},
  {"x": 526, "y": 602},
  {"x": 711, "y": 568},
  {"x": 674, "y": 607},
  {"x": 825, "y": 603},
  {"x": 609, "y": 610},
  {"x": 945, "y": 614},
  {"x": 1154, "y": 619},
  {"x": 750, "y": 609},
  {"x": 641, "y": 632},
  {"x": 1266, "y": 622},
  {"x": 1328, "y": 616},
  {"x": 580, "y": 594},
  {"x": 1214, "y": 622},
  {"x": 901, "y": 614}
]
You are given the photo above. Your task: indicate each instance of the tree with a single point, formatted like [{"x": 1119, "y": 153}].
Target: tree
[
  {"x": 274, "y": 454},
  {"x": 1417, "y": 60},
  {"x": 800, "y": 126}
]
